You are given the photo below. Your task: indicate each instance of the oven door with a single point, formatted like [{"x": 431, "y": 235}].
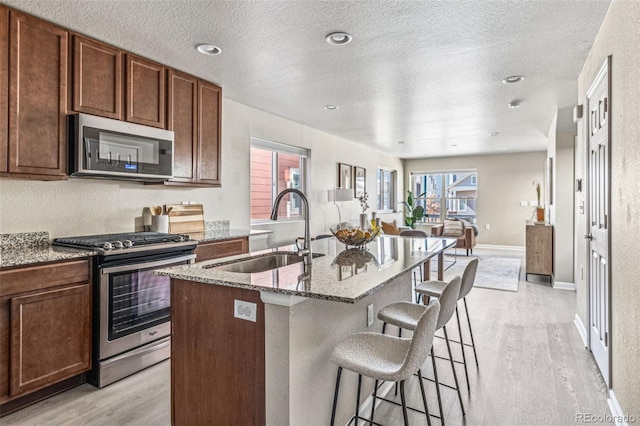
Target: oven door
[{"x": 135, "y": 305}]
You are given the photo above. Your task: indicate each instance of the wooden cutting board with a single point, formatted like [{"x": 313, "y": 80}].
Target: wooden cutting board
[{"x": 185, "y": 218}]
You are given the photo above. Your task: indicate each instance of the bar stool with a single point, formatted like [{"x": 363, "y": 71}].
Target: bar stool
[
  {"x": 434, "y": 289},
  {"x": 405, "y": 315},
  {"x": 415, "y": 233},
  {"x": 386, "y": 358}
]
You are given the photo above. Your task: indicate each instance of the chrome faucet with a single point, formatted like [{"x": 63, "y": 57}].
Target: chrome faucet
[{"x": 306, "y": 248}]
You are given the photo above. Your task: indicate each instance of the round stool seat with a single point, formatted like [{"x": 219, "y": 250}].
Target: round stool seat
[
  {"x": 431, "y": 288},
  {"x": 374, "y": 355},
  {"x": 402, "y": 314}
]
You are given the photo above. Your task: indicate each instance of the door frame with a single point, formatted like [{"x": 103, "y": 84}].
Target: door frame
[{"x": 605, "y": 68}]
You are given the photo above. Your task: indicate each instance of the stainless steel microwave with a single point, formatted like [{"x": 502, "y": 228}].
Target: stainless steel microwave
[{"x": 102, "y": 147}]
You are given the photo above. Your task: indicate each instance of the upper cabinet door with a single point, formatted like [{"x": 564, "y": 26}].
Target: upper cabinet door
[
  {"x": 145, "y": 92},
  {"x": 4, "y": 88},
  {"x": 97, "y": 78},
  {"x": 38, "y": 61},
  {"x": 182, "y": 107},
  {"x": 209, "y": 130}
]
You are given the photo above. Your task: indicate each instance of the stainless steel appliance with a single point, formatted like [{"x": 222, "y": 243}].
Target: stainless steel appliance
[
  {"x": 131, "y": 308},
  {"x": 102, "y": 147}
]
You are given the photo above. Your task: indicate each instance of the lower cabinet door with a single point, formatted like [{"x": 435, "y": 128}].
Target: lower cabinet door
[{"x": 50, "y": 337}]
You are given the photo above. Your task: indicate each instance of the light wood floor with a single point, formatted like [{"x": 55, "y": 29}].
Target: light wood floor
[{"x": 534, "y": 370}]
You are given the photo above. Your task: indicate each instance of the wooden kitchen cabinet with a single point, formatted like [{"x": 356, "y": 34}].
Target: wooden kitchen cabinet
[
  {"x": 45, "y": 327},
  {"x": 209, "y": 131},
  {"x": 193, "y": 113},
  {"x": 218, "y": 249},
  {"x": 4, "y": 89},
  {"x": 37, "y": 109},
  {"x": 97, "y": 78},
  {"x": 145, "y": 92},
  {"x": 182, "y": 118},
  {"x": 539, "y": 250}
]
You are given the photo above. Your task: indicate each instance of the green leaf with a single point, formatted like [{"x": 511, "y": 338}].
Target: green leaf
[
  {"x": 418, "y": 213},
  {"x": 410, "y": 198}
]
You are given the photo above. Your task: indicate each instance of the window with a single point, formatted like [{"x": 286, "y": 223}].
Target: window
[
  {"x": 386, "y": 183},
  {"x": 447, "y": 194},
  {"x": 275, "y": 167}
]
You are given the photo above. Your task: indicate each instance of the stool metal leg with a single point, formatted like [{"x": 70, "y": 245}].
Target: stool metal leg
[
  {"x": 435, "y": 377},
  {"x": 473, "y": 345},
  {"x": 373, "y": 405},
  {"x": 335, "y": 396},
  {"x": 396, "y": 387},
  {"x": 384, "y": 327},
  {"x": 424, "y": 399},
  {"x": 358, "y": 398},
  {"x": 453, "y": 367},
  {"x": 404, "y": 404},
  {"x": 464, "y": 357}
]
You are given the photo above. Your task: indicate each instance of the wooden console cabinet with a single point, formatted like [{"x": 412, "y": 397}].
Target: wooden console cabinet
[
  {"x": 539, "y": 247},
  {"x": 45, "y": 327}
]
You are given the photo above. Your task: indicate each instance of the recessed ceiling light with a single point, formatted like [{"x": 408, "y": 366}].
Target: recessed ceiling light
[
  {"x": 338, "y": 38},
  {"x": 331, "y": 107},
  {"x": 515, "y": 104},
  {"x": 453, "y": 145},
  {"x": 513, "y": 79},
  {"x": 208, "y": 49},
  {"x": 495, "y": 134},
  {"x": 401, "y": 142}
]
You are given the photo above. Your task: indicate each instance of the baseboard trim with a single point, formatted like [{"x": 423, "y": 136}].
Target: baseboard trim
[
  {"x": 581, "y": 330},
  {"x": 619, "y": 417},
  {"x": 499, "y": 247},
  {"x": 561, "y": 285},
  {"x": 365, "y": 407}
]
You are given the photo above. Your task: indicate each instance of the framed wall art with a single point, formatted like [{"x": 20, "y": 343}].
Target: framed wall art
[
  {"x": 359, "y": 181},
  {"x": 344, "y": 176}
]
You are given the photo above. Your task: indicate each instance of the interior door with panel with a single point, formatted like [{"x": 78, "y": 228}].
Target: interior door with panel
[{"x": 598, "y": 248}]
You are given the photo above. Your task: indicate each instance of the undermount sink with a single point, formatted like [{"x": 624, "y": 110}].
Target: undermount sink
[{"x": 260, "y": 263}]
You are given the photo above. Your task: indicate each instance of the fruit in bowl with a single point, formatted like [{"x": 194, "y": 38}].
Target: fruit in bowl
[{"x": 355, "y": 236}]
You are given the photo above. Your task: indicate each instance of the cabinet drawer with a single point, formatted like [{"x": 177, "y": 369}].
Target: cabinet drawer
[
  {"x": 45, "y": 276},
  {"x": 215, "y": 250}
]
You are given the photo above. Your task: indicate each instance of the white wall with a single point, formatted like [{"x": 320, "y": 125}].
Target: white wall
[
  {"x": 90, "y": 206},
  {"x": 503, "y": 181},
  {"x": 619, "y": 37}
]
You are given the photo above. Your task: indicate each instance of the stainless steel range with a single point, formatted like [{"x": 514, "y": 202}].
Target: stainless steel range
[{"x": 131, "y": 308}]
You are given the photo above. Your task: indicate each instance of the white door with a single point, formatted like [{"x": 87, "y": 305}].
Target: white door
[{"x": 599, "y": 107}]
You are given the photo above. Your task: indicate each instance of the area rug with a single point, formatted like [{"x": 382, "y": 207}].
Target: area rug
[{"x": 499, "y": 273}]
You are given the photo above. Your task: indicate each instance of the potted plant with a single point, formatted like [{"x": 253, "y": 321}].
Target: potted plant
[{"x": 413, "y": 212}]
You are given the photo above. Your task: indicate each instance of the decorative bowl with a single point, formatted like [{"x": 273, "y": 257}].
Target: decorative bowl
[{"x": 354, "y": 236}]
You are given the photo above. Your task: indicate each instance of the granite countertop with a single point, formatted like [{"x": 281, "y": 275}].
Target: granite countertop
[
  {"x": 336, "y": 274},
  {"x": 32, "y": 248}
]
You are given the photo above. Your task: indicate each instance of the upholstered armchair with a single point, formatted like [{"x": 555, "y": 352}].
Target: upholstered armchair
[{"x": 465, "y": 235}]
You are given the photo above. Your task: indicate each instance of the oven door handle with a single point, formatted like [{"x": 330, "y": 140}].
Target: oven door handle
[{"x": 146, "y": 265}]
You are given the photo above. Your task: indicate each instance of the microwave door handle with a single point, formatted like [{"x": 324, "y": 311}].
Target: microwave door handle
[{"x": 156, "y": 264}]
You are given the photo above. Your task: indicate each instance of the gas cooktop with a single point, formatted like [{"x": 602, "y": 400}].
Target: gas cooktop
[{"x": 126, "y": 242}]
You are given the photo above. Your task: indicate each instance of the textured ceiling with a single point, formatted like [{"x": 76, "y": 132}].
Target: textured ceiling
[{"x": 426, "y": 72}]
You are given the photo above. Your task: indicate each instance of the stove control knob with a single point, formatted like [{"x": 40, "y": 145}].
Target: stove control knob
[
  {"x": 127, "y": 243},
  {"x": 181, "y": 238},
  {"x": 107, "y": 246},
  {"x": 117, "y": 244}
]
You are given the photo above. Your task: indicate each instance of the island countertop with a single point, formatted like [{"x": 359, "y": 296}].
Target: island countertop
[{"x": 336, "y": 273}]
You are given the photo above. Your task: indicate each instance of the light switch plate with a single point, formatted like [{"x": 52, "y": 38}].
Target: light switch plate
[
  {"x": 244, "y": 310},
  {"x": 523, "y": 204}
]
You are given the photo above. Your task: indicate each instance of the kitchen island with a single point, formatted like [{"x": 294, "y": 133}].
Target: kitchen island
[{"x": 254, "y": 348}]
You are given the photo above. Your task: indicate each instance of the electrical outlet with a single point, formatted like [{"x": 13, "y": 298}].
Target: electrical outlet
[
  {"x": 244, "y": 310},
  {"x": 523, "y": 204},
  {"x": 370, "y": 315},
  {"x": 533, "y": 204},
  {"x": 487, "y": 226}
]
